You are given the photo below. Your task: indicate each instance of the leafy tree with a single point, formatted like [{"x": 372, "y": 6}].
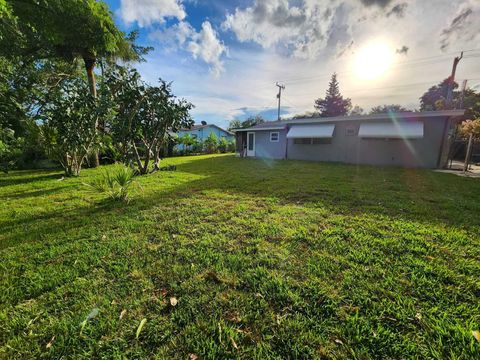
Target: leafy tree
[
  {"x": 471, "y": 103},
  {"x": 69, "y": 125},
  {"x": 223, "y": 145},
  {"x": 211, "y": 143},
  {"x": 65, "y": 29},
  {"x": 145, "y": 116},
  {"x": 187, "y": 141},
  {"x": 252, "y": 121},
  {"x": 385, "y": 109},
  {"x": 470, "y": 127},
  {"x": 10, "y": 149},
  {"x": 306, "y": 115},
  {"x": 357, "y": 110},
  {"x": 234, "y": 124},
  {"x": 334, "y": 104},
  {"x": 434, "y": 98}
]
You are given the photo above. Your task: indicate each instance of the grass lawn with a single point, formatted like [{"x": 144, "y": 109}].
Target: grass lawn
[{"x": 268, "y": 260}]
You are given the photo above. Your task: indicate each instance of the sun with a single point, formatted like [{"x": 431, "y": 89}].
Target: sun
[{"x": 373, "y": 60}]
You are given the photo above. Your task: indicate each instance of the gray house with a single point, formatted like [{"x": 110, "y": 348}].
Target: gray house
[{"x": 410, "y": 139}]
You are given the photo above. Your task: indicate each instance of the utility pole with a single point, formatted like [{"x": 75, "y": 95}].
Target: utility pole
[
  {"x": 451, "y": 81},
  {"x": 462, "y": 98},
  {"x": 279, "y": 96}
]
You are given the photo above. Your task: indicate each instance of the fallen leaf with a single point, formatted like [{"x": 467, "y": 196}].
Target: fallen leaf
[
  {"x": 104, "y": 237},
  {"x": 338, "y": 341},
  {"x": 173, "y": 301},
  {"x": 476, "y": 335},
  {"x": 50, "y": 343},
  {"x": 140, "y": 327},
  {"x": 122, "y": 314},
  {"x": 193, "y": 356},
  {"x": 418, "y": 316},
  {"x": 234, "y": 343}
]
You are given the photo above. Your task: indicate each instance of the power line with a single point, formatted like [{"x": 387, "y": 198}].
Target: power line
[{"x": 402, "y": 65}]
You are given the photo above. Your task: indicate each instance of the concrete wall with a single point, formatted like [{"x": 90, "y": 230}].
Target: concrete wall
[
  {"x": 265, "y": 148},
  {"x": 352, "y": 149}
]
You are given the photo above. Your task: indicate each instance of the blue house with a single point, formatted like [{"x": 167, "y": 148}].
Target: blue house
[{"x": 202, "y": 131}]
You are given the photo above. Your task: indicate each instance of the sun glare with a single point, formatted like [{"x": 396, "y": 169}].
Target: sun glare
[{"x": 373, "y": 60}]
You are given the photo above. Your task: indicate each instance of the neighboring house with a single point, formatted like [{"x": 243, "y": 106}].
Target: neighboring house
[
  {"x": 202, "y": 131},
  {"x": 413, "y": 139}
]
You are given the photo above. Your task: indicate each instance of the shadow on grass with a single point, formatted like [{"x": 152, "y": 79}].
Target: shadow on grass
[
  {"x": 31, "y": 194},
  {"x": 417, "y": 195},
  {"x": 30, "y": 176}
]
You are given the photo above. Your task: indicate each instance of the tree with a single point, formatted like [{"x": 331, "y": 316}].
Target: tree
[
  {"x": 435, "y": 97},
  {"x": 357, "y": 110},
  {"x": 66, "y": 29},
  {"x": 334, "y": 104},
  {"x": 145, "y": 116},
  {"x": 234, "y": 124},
  {"x": 187, "y": 141},
  {"x": 470, "y": 129},
  {"x": 10, "y": 148},
  {"x": 252, "y": 121},
  {"x": 211, "y": 143},
  {"x": 69, "y": 125},
  {"x": 223, "y": 144},
  {"x": 385, "y": 109}
]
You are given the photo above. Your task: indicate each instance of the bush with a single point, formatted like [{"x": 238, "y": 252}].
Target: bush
[
  {"x": 116, "y": 183},
  {"x": 211, "y": 143},
  {"x": 10, "y": 149},
  {"x": 223, "y": 145}
]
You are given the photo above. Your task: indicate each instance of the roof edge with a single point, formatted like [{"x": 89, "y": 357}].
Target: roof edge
[{"x": 386, "y": 116}]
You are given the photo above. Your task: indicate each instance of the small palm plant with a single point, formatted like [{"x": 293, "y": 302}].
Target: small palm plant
[{"x": 116, "y": 183}]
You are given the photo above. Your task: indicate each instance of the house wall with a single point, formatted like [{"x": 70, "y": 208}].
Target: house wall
[
  {"x": 267, "y": 149},
  {"x": 352, "y": 149},
  {"x": 203, "y": 133}
]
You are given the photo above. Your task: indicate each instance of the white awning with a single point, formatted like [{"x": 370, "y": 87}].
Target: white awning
[
  {"x": 311, "y": 131},
  {"x": 392, "y": 130}
]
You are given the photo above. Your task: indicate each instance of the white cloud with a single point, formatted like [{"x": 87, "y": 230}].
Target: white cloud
[
  {"x": 304, "y": 30},
  {"x": 463, "y": 25},
  {"x": 204, "y": 45},
  {"x": 147, "y": 12}
]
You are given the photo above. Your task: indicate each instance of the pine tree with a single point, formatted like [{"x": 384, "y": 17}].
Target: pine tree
[{"x": 334, "y": 104}]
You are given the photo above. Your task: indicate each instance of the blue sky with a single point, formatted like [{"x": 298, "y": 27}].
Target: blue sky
[{"x": 226, "y": 56}]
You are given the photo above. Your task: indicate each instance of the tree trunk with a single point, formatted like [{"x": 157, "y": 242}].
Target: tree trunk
[
  {"x": 90, "y": 67},
  {"x": 156, "y": 161}
]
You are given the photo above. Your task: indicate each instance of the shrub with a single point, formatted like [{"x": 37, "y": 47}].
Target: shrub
[
  {"x": 116, "y": 183},
  {"x": 211, "y": 143},
  {"x": 223, "y": 145}
]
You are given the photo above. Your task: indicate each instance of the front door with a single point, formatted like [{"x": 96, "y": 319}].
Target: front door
[{"x": 251, "y": 144}]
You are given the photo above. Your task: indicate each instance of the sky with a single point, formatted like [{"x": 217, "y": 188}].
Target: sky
[{"x": 226, "y": 56}]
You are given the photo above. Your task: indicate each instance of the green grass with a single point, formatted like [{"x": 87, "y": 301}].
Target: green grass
[{"x": 268, "y": 260}]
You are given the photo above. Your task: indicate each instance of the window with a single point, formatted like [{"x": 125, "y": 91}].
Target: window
[
  {"x": 274, "y": 136},
  {"x": 321, "y": 141},
  {"x": 312, "y": 141}
]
